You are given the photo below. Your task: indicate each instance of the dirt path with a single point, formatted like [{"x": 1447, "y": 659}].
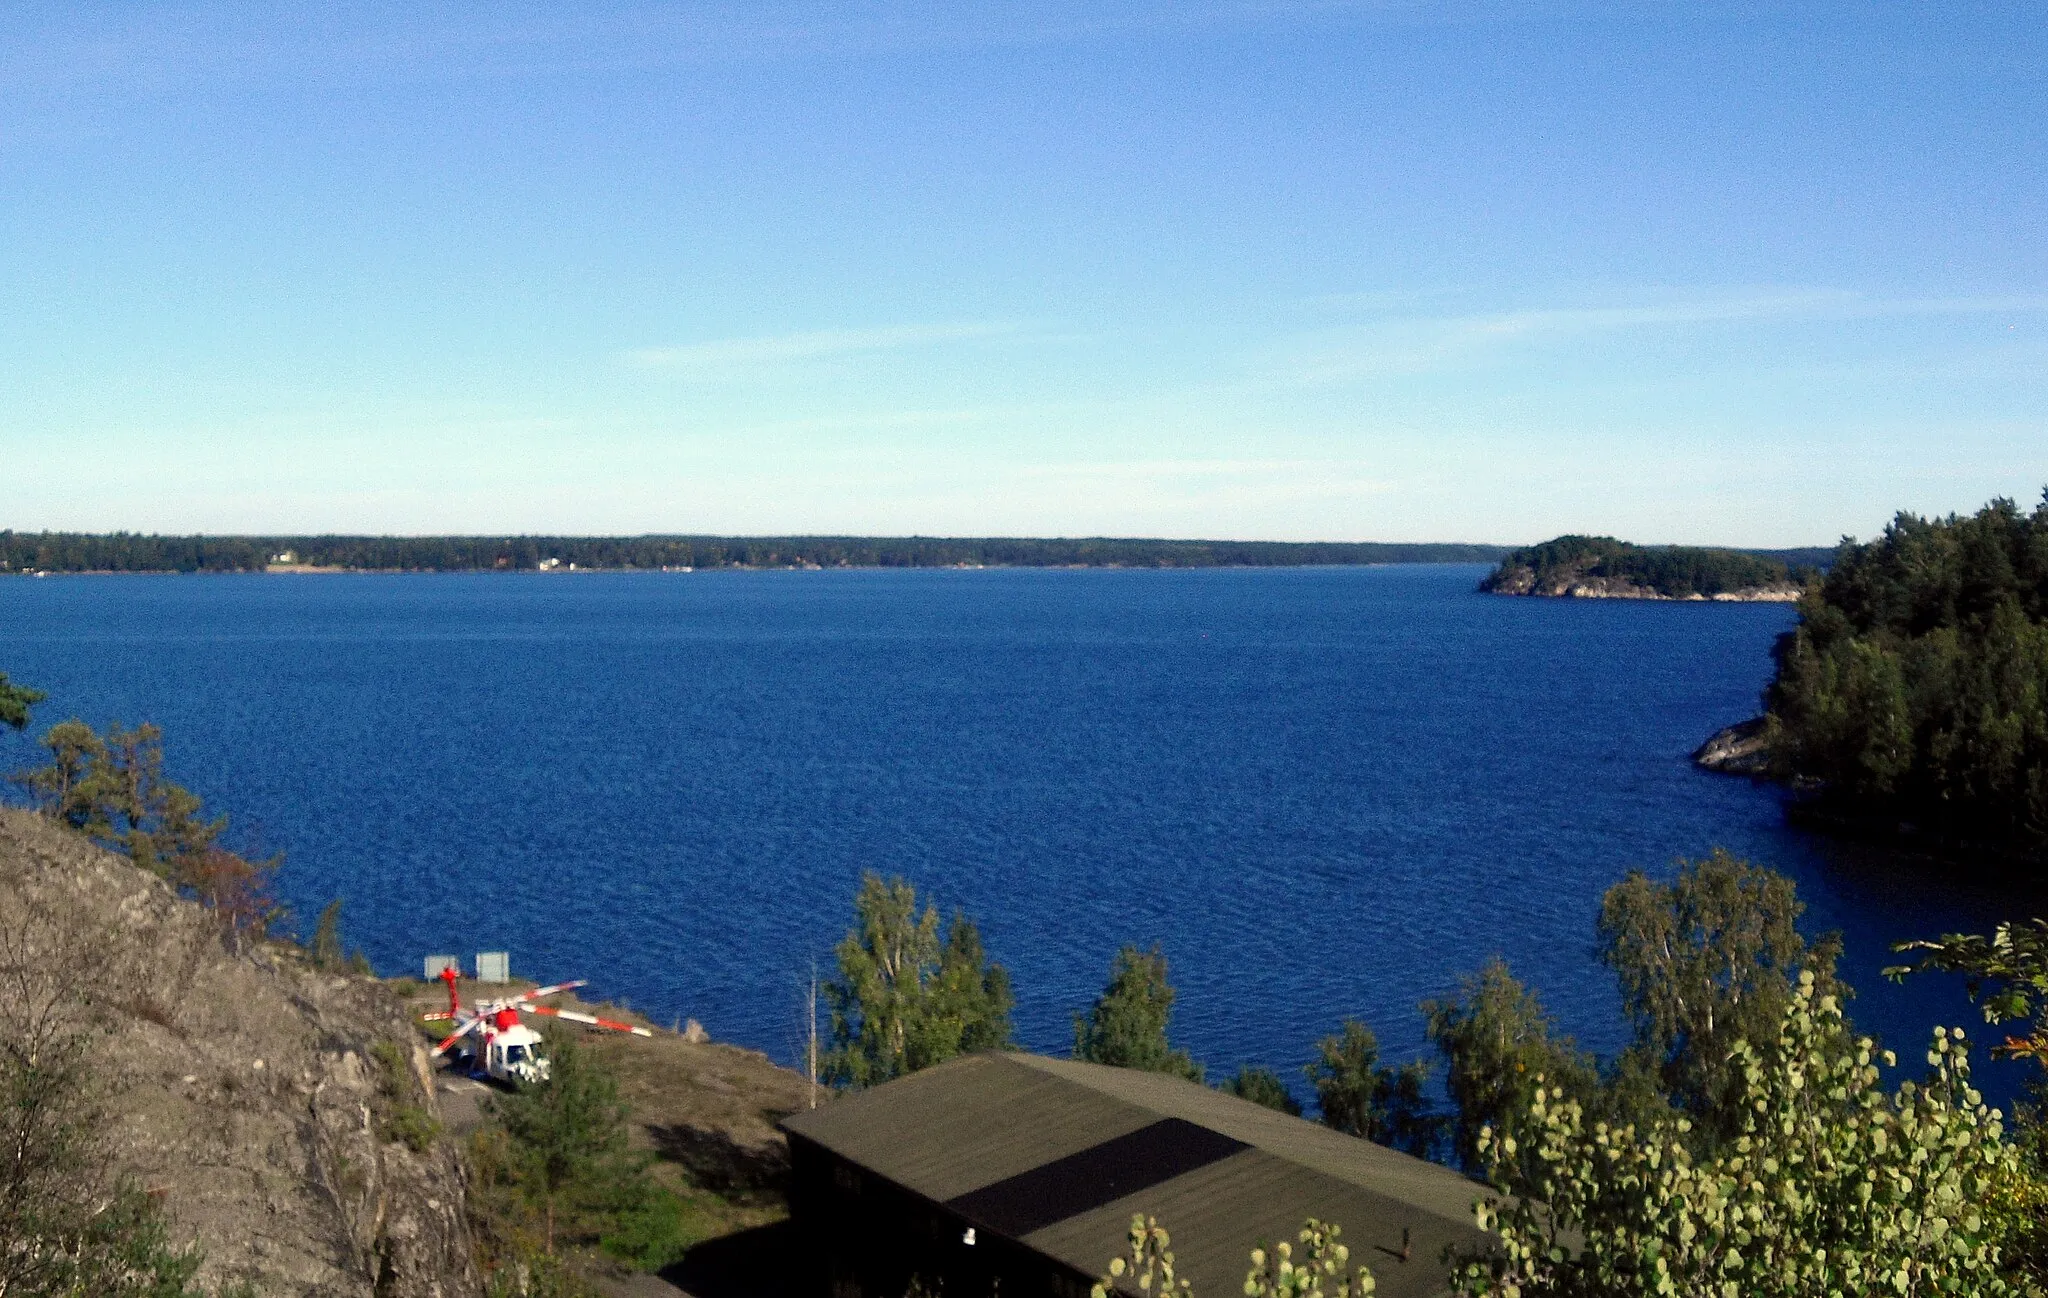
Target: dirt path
[
  {"x": 460, "y": 1098},
  {"x": 641, "y": 1286}
]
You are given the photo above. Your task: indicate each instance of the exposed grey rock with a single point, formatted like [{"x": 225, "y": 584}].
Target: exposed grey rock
[
  {"x": 1742, "y": 749},
  {"x": 244, "y": 1090},
  {"x": 1572, "y": 585}
]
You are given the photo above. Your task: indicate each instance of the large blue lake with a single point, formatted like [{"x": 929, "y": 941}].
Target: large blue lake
[{"x": 1324, "y": 792}]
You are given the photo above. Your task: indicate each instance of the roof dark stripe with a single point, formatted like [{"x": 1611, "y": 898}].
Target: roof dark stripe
[{"x": 1098, "y": 1175}]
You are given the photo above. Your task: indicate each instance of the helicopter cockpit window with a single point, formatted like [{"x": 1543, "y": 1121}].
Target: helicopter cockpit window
[{"x": 515, "y": 1054}]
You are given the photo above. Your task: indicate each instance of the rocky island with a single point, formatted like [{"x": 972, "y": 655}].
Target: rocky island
[{"x": 1600, "y": 567}]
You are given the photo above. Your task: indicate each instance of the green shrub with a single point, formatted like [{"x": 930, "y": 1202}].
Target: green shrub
[
  {"x": 400, "y": 1120},
  {"x": 655, "y": 1232},
  {"x": 413, "y": 1127},
  {"x": 1262, "y": 1086}
]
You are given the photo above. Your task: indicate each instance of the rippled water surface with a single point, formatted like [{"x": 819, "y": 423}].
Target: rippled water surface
[{"x": 1323, "y": 791}]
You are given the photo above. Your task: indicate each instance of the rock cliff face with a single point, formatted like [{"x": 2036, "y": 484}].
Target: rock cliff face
[{"x": 257, "y": 1098}]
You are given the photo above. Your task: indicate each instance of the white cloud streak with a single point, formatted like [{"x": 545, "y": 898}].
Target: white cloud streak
[
  {"x": 1420, "y": 344},
  {"x": 1153, "y": 470}
]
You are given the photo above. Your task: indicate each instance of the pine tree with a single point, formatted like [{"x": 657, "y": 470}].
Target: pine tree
[
  {"x": 15, "y": 701},
  {"x": 567, "y": 1133},
  {"x": 1359, "y": 1096},
  {"x": 1126, "y": 1027},
  {"x": 1496, "y": 1040}
]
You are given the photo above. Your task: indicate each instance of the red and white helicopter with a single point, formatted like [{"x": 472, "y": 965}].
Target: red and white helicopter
[{"x": 504, "y": 1047}]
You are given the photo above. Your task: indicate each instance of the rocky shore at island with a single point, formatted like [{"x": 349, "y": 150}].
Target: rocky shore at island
[
  {"x": 1740, "y": 749},
  {"x": 1524, "y": 581},
  {"x": 1600, "y": 567}
]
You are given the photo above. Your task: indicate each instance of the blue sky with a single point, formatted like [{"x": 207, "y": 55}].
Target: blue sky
[{"x": 1288, "y": 270}]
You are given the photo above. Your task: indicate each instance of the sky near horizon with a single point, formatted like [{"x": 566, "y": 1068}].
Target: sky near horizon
[{"x": 1760, "y": 275}]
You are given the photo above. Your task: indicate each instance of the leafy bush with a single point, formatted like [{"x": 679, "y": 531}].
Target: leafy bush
[
  {"x": 399, "y": 1118},
  {"x": 531, "y": 1273},
  {"x": 1833, "y": 1185},
  {"x": 1322, "y": 1269},
  {"x": 413, "y": 1127}
]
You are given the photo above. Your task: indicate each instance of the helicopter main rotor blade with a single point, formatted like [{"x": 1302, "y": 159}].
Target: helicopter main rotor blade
[
  {"x": 592, "y": 1019},
  {"x": 539, "y": 992},
  {"x": 457, "y": 1035}
]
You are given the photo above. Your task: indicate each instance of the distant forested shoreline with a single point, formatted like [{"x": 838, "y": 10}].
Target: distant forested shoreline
[{"x": 55, "y": 552}]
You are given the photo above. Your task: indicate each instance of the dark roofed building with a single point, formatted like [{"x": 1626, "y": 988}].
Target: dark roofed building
[{"x": 1025, "y": 1170}]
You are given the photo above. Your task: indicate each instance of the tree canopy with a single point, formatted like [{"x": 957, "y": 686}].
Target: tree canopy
[
  {"x": 1676, "y": 571},
  {"x": 1915, "y": 687},
  {"x": 15, "y": 701},
  {"x": 1746, "y": 1142},
  {"x": 112, "y": 787},
  {"x": 1262, "y": 1086},
  {"x": 1704, "y": 961},
  {"x": 2006, "y": 974},
  {"x": 1497, "y": 1039},
  {"x": 565, "y": 1138},
  {"x": 1833, "y": 1186},
  {"x": 1126, "y": 1027},
  {"x": 130, "y": 552},
  {"x": 909, "y": 993},
  {"x": 1358, "y": 1095}
]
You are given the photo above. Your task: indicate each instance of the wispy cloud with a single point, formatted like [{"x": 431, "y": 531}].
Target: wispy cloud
[
  {"x": 1414, "y": 343},
  {"x": 1152, "y": 470},
  {"x": 727, "y": 356}
]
